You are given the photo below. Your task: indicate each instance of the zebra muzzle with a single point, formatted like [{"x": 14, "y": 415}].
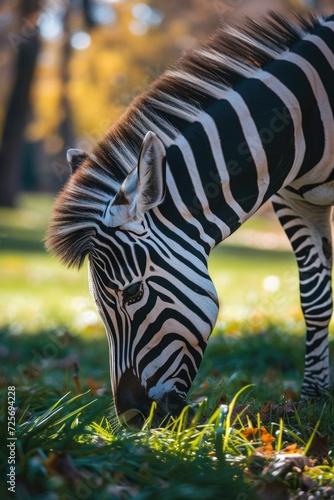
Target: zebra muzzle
[
  {"x": 171, "y": 405},
  {"x": 133, "y": 404},
  {"x": 131, "y": 400}
]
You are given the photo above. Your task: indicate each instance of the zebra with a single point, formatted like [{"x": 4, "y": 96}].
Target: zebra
[{"x": 242, "y": 118}]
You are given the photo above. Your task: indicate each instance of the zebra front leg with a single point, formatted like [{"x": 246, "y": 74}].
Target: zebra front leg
[{"x": 308, "y": 228}]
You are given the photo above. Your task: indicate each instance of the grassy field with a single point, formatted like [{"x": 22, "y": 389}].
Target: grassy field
[
  {"x": 54, "y": 352},
  {"x": 37, "y": 291}
]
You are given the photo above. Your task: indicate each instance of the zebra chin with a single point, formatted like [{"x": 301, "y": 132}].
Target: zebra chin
[{"x": 133, "y": 404}]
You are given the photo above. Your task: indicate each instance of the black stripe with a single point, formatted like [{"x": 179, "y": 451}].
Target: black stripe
[
  {"x": 174, "y": 291},
  {"x": 315, "y": 287},
  {"x": 207, "y": 167},
  {"x": 170, "y": 212},
  {"x": 185, "y": 260},
  {"x": 242, "y": 171},
  {"x": 295, "y": 79},
  {"x": 309, "y": 187},
  {"x": 187, "y": 191},
  {"x": 164, "y": 343},
  {"x": 168, "y": 313},
  {"x": 325, "y": 72},
  {"x": 275, "y": 127}
]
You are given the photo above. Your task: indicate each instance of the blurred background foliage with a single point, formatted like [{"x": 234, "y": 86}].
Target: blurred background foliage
[{"x": 70, "y": 67}]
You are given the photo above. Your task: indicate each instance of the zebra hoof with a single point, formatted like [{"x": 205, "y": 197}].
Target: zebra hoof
[{"x": 314, "y": 393}]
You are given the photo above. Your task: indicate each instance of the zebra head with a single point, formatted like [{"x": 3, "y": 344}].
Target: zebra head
[{"x": 152, "y": 291}]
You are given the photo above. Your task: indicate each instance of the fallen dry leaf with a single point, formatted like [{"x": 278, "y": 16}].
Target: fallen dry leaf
[
  {"x": 250, "y": 433},
  {"x": 269, "y": 410},
  {"x": 95, "y": 386},
  {"x": 291, "y": 448},
  {"x": 266, "y": 437},
  {"x": 291, "y": 394}
]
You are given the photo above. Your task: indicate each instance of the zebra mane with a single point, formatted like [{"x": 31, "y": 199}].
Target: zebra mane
[{"x": 201, "y": 76}]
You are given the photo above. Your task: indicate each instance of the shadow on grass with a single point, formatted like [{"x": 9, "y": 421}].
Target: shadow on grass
[
  {"x": 272, "y": 359},
  {"x": 22, "y": 229},
  {"x": 21, "y": 240},
  {"x": 67, "y": 449},
  {"x": 53, "y": 358}
]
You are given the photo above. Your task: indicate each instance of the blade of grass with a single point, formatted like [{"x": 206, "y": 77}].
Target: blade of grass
[
  {"x": 148, "y": 422},
  {"x": 309, "y": 442},
  {"x": 219, "y": 434},
  {"x": 278, "y": 446},
  {"x": 229, "y": 415}
]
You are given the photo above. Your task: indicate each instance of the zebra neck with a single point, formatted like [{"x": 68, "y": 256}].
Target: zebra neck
[{"x": 269, "y": 130}]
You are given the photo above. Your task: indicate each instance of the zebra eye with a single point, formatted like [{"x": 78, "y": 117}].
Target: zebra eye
[{"x": 133, "y": 293}]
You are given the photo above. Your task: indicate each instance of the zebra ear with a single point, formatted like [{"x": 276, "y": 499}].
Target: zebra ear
[
  {"x": 75, "y": 157},
  {"x": 151, "y": 173}
]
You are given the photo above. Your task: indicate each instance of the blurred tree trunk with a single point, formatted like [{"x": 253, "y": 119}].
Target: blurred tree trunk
[
  {"x": 65, "y": 129},
  {"x": 26, "y": 43},
  {"x": 88, "y": 15},
  {"x": 66, "y": 124}
]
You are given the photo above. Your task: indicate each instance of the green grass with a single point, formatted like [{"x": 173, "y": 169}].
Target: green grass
[
  {"x": 36, "y": 290},
  {"x": 67, "y": 441},
  {"x": 69, "y": 444},
  {"x": 252, "y": 282}
]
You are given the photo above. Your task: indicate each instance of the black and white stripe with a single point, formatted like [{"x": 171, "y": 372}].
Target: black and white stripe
[{"x": 243, "y": 118}]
